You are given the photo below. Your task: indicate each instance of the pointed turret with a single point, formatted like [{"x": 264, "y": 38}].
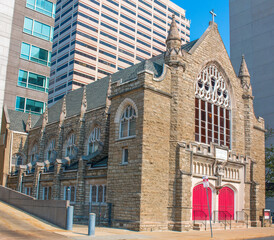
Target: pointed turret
[
  {"x": 243, "y": 72},
  {"x": 45, "y": 119},
  {"x": 63, "y": 113},
  {"x": 244, "y": 75},
  {"x": 173, "y": 44},
  {"x": 28, "y": 124},
  {"x": 108, "y": 101},
  {"x": 173, "y": 33},
  {"x": 84, "y": 102}
]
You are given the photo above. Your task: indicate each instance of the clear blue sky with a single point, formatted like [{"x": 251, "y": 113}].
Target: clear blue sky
[{"x": 198, "y": 12}]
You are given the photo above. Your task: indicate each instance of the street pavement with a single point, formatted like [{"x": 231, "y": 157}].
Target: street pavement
[{"x": 18, "y": 225}]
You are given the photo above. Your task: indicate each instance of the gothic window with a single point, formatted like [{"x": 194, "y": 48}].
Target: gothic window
[
  {"x": 28, "y": 191},
  {"x": 128, "y": 122},
  {"x": 17, "y": 159},
  {"x": 50, "y": 150},
  {"x": 46, "y": 193},
  {"x": 97, "y": 193},
  {"x": 33, "y": 153},
  {"x": 70, "y": 193},
  {"x": 70, "y": 145},
  {"x": 93, "y": 140},
  {"x": 212, "y": 108}
]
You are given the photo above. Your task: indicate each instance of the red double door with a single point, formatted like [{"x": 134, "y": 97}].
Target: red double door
[
  {"x": 226, "y": 204},
  {"x": 199, "y": 200},
  {"x": 200, "y": 205}
]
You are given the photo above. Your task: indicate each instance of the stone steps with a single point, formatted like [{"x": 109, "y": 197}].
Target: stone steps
[{"x": 218, "y": 226}]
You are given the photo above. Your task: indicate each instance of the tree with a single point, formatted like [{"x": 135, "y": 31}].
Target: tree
[{"x": 269, "y": 166}]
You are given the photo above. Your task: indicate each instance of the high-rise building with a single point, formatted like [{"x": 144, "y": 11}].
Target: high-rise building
[
  {"x": 251, "y": 34},
  {"x": 93, "y": 38},
  {"x": 26, "y": 43}
]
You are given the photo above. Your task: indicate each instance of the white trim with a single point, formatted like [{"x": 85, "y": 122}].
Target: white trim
[{"x": 121, "y": 109}]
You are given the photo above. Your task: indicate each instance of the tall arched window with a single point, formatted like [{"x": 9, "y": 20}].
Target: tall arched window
[
  {"x": 70, "y": 145},
  {"x": 128, "y": 122},
  {"x": 33, "y": 153},
  {"x": 212, "y": 108},
  {"x": 17, "y": 159},
  {"x": 93, "y": 140},
  {"x": 50, "y": 149}
]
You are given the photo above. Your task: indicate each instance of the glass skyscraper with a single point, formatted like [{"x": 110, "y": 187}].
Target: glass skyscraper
[{"x": 95, "y": 38}]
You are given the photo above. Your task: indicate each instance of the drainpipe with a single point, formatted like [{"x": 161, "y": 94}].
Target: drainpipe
[
  {"x": 38, "y": 182},
  {"x": 11, "y": 144},
  {"x": 20, "y": 189}
]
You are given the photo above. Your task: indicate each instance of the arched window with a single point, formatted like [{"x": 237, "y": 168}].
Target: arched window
[
  {"x": 17, "y": 159},
  {"x": 128, "y": 122},
  {"x": 93, "y": 140},
  {"x": 70, "y": 145},
  {"x": 33, "y": 153},
  {"x": 212, "y": 108},
  {"x": 50, "y": 149}
]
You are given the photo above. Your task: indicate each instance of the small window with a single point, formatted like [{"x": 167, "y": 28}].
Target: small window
[
  {"x": 128, "y": 122},
  {"x": 46, "y": 193},
  {"x": 70, "y": 145},
  {"x": 93, "y": 141},
  {"x": 28, "y": 191},
  {"x": 125, "y": 156},
  {"x": 17, "y": 159},
  {"x": 70, "y": 193},
  {"x": 50, "y": 150},
  {"x": 97, "y": 193}
]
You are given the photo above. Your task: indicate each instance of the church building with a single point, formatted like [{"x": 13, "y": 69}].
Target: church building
[{"x": 142, "y": 139}]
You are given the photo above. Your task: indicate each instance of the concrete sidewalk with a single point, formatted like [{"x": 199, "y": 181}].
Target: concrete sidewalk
[
  {"x": 17, "y": 224},
  {"x": 80, "y": 232}
]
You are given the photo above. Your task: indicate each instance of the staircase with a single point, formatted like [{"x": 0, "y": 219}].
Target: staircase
[{"x": 201, "y": 226}]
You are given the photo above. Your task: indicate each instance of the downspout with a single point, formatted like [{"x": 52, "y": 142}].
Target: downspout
[
  {"x": 21, "y": 184},
  {"x": 38, "y": 182},
  {"x": 11, "y": 144}
]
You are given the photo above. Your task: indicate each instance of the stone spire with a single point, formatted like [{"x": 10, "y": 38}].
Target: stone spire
[
  {"x": 243, "y": 72},
  {"x": 108, "y": 101},
  {"x": 244, "y": 75},
  {"x": 28, "y": 124},
  {"x": 63, "y": 113},
  {"x": 173, "y": 44},
  {"x": 173, "y": 33},
  {"x": 84, "y": 102},
  {"x": 45, "y": 119}
]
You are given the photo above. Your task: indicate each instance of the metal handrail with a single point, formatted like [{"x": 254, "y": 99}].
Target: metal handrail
[
  {"x": 226, "y": 214},
  {"x": 245, "y": 217},
  {"x": 203, "y": 221}
]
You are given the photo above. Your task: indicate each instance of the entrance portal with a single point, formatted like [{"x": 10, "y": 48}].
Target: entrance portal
[
  {"x": 199, "y": 201},
  {"x": 226, "y": 204}
]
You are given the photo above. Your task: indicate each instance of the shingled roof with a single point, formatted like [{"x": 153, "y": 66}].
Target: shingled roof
[
  {"x": 96, "y": 92},
  {"x": 18, "y": 120}
]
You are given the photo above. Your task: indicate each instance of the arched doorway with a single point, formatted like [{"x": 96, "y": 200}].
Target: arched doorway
[
  {"x": 199, "y": 203},
  {"x": 226, "y": 203}
]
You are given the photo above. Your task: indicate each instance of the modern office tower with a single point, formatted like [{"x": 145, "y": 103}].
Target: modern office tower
[
  {"x": 252, "y": 34},
  {"x": 26, "y": 43},
  {"x": 93, "y": 38}
]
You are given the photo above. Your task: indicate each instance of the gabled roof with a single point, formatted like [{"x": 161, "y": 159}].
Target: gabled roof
[
  {"x": 18, "y": 120},
  {"x": 96, "y": 92}
]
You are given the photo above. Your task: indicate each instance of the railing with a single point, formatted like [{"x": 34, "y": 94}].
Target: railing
[
  {"x": 223, "y": 216},
  {"x": 197, "y": 217},
  {"x": 103, "y": 213},
  {"x": 242, "y": 216}
]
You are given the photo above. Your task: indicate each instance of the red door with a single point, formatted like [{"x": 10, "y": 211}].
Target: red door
[
  {"x": 226, "y": 203},
  {"x": 199, "y": 201}
]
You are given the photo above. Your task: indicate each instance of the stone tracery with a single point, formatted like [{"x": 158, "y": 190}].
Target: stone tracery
[{"x": 211, "y": 86}]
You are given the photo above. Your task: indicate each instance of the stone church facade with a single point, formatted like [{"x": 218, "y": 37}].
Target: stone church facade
[{"x": 143, "y": 138}]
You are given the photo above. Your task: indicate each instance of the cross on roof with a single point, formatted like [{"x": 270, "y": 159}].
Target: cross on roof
[{"x": 213, "y": 14}]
